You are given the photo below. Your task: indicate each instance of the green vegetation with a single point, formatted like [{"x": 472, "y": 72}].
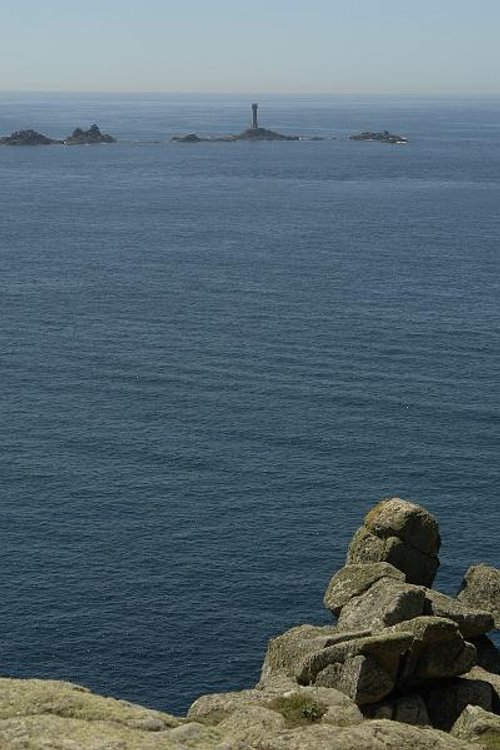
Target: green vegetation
[{"x": 298, "y": 709}]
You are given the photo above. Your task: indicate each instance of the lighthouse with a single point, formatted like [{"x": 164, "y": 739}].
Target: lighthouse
[{"x": 255, "y": 124}]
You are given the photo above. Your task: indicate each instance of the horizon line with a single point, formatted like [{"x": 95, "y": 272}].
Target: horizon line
[{"x": 138, "y": 92}]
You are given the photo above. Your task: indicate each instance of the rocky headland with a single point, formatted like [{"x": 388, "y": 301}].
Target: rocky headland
[
  {"x": 383, "y": 137},
  {"x": 403, "y": 667}
]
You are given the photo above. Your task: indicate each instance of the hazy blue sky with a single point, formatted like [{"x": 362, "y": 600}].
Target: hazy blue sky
[{"x": 372, "y": 46}]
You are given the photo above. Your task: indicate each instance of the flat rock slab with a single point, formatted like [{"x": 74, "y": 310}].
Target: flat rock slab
[
  {"x": 353, "y": 580},
  {"x": 472, "y": 622},
  {"x": 385, "y": 603}
]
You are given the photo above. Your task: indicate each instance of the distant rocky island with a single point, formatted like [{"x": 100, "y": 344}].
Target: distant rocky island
[
  {"x": 382, "y": 137},
  {"x": 79, "y": 137},
  {"x": 254, "y": 133},
  {"x": 27, "y": 138},
  {"x": 93, "y": 135}
]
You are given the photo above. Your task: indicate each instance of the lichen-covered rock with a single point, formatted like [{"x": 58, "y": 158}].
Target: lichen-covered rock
[
  {"x": 363, "y": 679},
  {"x": 476, "y": 724},
  {"x": 386, "y": 603},
  {"x": 286, "y": 653},
  {"x": 409, "y": 522},
  {"x": 385, "y": 648},
  {"x": 353, "y": 580},
  {"x": 370, "y": 735},
  {"x": 437, "y": 651},
  {"x": 215, "y": 707},
  {"x": 402, "y": 534},
  {"x": 70, "y": 701},
  {"x": 50, "y": 715},
  {"x": 472, "y": 622},
  {"x": 481, "y": 589}
]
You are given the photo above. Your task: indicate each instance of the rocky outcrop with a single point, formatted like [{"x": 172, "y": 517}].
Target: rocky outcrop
[
  {"x": 383, "y": 137},
  {"x": 27, "y": 138},
  {"x": 481, "y": 589},
  {"x": 400, "y": 533},
  {"x": 91, "y": 136},
  {"x": 263, "y": 134},
  {"x": 405, "y": 666}
]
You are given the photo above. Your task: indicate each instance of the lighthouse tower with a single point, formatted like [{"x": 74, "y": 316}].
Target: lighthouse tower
[{"x": 255, "y": 123}]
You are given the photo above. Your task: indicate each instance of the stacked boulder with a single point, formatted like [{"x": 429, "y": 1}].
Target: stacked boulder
[
  {"x": 400, "y": 649},
  {"x": 405, "y": 666}
]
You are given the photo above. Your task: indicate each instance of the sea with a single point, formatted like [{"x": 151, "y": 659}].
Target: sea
[{"x": 216, "y": 357}]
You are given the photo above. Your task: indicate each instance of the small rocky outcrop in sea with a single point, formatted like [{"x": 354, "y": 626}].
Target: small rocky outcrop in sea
[
  {"x": 93, "y": 135},
  {"x": 405, "y": 666},
  {"x": 383, "y": 137},
  {"x": 252, "y": 134},
  {"x": 189, "y": 138},
  {"x": 263, "y": 134},
  {"x": 27, "y": 138}
]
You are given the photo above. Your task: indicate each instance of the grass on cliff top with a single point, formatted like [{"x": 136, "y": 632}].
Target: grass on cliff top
[{"x": 299, "y": 710}]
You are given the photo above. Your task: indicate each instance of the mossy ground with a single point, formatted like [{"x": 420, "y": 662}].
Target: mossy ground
[{"x": 299, "y": 710}]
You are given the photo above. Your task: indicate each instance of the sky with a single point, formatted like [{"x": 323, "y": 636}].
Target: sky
[{"x": 258, "y": 46}]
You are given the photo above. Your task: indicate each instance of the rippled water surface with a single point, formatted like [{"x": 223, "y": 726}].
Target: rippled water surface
[{"x": 216, "y": 357}]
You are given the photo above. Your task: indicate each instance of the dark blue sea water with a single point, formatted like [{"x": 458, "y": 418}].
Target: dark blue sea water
[{"x": 215, "y": 358}]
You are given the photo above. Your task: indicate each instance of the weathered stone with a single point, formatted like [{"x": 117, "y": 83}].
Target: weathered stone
[
  {"x": 446, "y": 700},
  {"x": 286, "y": 652},
  {"x": 370, "y": 735},
  {"x": 476, "y": 724},
  {"x": 354, "y": 580},
  {"x": 50, "y": 715},
  {"x": 438, "y": 650},
  {"x": 363, "y": 680},
  {"x": 385, "y": 648},
  {"x": 409, "y": 522},
  {"x": 329, "y": 677},
  {"x": 443, "y": 660},
  {"x": 402, "y": 534},
  {"x": 215, "y": 707},
  {"x": 252, "y": 723},
  {"x": 67, "y": 700},
  {"x": 386, "y": 603},
  {"x": 472, "y": 622},
  {"x": 481, "y": 589}
]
